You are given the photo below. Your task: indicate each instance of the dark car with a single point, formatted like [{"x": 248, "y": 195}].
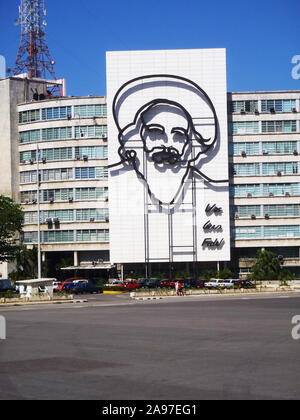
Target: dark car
[
  {"x": 6, "y": 286},
  {"x": 67, "y": 286},
  {"x": 194, "y": 283},
  {"x": 244, "y": 284},
  {"x": 83, "y": 288}
]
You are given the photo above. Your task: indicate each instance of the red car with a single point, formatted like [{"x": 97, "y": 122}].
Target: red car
[
  {"x": 60, "y": 286},
  {"x": 167, "y": 283},
  {"x": 131, "y": 285}
]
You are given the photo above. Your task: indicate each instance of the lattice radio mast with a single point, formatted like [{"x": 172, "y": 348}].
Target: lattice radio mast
[{"x": 33, "y": 56}]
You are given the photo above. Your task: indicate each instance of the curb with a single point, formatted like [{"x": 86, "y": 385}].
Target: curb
[
  {"x": 222, "y": 294},
  {"x": 36, "y": 303},
  {"x": 148, "y": 298}
]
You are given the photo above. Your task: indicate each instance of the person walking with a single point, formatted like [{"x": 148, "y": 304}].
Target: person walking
[
  {"x": 176, "y": 288},
  {"x": 180, "y": 293}
]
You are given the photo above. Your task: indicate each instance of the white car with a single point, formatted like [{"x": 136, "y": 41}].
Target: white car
[
  {"x": 114, "y": 283},
  {"x": 225, "y": 284}
]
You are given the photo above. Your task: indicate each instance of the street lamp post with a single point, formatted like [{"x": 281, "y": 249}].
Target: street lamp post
[{"x": 38, "y": 211}]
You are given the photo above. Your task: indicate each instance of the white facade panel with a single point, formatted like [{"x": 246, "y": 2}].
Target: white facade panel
[{"x": 167, "y": 130}]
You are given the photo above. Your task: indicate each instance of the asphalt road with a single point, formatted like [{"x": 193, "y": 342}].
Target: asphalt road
[{"x": 180, "y": 348}]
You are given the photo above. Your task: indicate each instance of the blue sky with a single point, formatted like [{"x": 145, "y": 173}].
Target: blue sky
[{"x": 261, "y": 37}]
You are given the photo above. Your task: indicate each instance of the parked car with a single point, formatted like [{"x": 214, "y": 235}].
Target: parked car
[
  {"x": 191, "y": 282},
  {"x": 167, "y": 283},
  {"x": 114, "y": 283},
  {"x": 75, "y": 279},
  {"x": 214, "y": 284},
  {"x": 244, "y": 284},
  {"x": 67, "y": 286},
  {"x": 131, "y": 285},
  {"x": 80, "y": 281},
  {"x": 6, "y": 286},
  {"x": 60, "y": 286},
  {"x": 84, "y": 288}
]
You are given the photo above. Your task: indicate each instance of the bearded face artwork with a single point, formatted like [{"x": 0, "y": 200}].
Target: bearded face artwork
[{"x": 163, "y": 143}]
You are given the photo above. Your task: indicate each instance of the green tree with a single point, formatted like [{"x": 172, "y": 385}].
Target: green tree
[
  {"x": 225, "y": 274},
  {"x": 11, "y": 223},
  {"x": 266, "y": 266},
  {"x": 26, "y": 264}
]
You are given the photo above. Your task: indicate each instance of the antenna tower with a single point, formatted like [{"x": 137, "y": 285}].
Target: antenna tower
[{"x": 33, "y": 56}]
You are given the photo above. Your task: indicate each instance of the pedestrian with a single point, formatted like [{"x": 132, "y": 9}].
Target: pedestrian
[
  {"x": 179, "y": 289},
  {"x": 176, "y": 288}
]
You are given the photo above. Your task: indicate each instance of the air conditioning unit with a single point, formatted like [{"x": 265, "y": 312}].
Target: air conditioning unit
[
  {"x": 107, "y": 219},
  {"x": 253, "y": 217},
  {"x": 287, "y": 194},
  {"x": 272, "y": 110},
  {"x": 34, "y": 201},
  {"x": 31, "y": 161},
  {"x": 92, "y": 219},
  {"x": 249, "y": 195},
  {"x": 236, "y": 216},
  {"x": 243, "y": 112},
  {"x": 294, "y": 110},
  {"x": 243, "y": 153},
  {"x": 271, "y": 195},
  {"x": 279, "y": 173},
  {"x": 44, "y": 160},
  {"x": 85, "y": 158},
  {"x": 71, "y": 199},
  {"x": 267, "y": 216},
  {"x": 77, "y": 157},
  {"x": 256, "y": 112},
  {"x": 295, "y": 152},
  {"x": 51, "y": 201},
  {"x": 265, "y": 152}
]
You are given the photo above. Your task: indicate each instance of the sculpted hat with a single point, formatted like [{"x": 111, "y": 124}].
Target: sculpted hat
[{"x": 137, "y": 94}]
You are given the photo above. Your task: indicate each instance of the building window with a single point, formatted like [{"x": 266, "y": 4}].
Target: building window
[
  {"x": 247, "y": 211},
  {"x": 60, "y": 133},
  {"x": 281, "y": 231},
  {"x": 245, "y": 190},
  {"x": 92, "y": 152},
  {"x": 28, "y": 177},
  {"x": 242, "y": 169},
  {"x": 31, "y": 136},
  {"x": 282, "y": 147},
  {"x": 92, "y": 235},
  {"x": 58, "y": 236},
  {"x": 281, "y": 189},
  {"x": 90, "y": 110},
  {"x": 246, "y": 106},
  {"x": 282, "y": 210},
  {"x": 279, "y": 126},
  {"x": 61, "y": 174},
  {"x": 93, "y": 131},
  {"x": 251, "y": 232},
  {"x": 29, "y": 116},
  {"x": 59, "y": 153},
  {"x": 82, "y": 194},
  {"x": 56, "y": 113},
  {"x": 285, "y": 105},
  {"x": 244, "y": 127},
  {"x": 283, "y": 168},
  {"x": 85, "y": 215},
  {"x": 248, "y": 148}
]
